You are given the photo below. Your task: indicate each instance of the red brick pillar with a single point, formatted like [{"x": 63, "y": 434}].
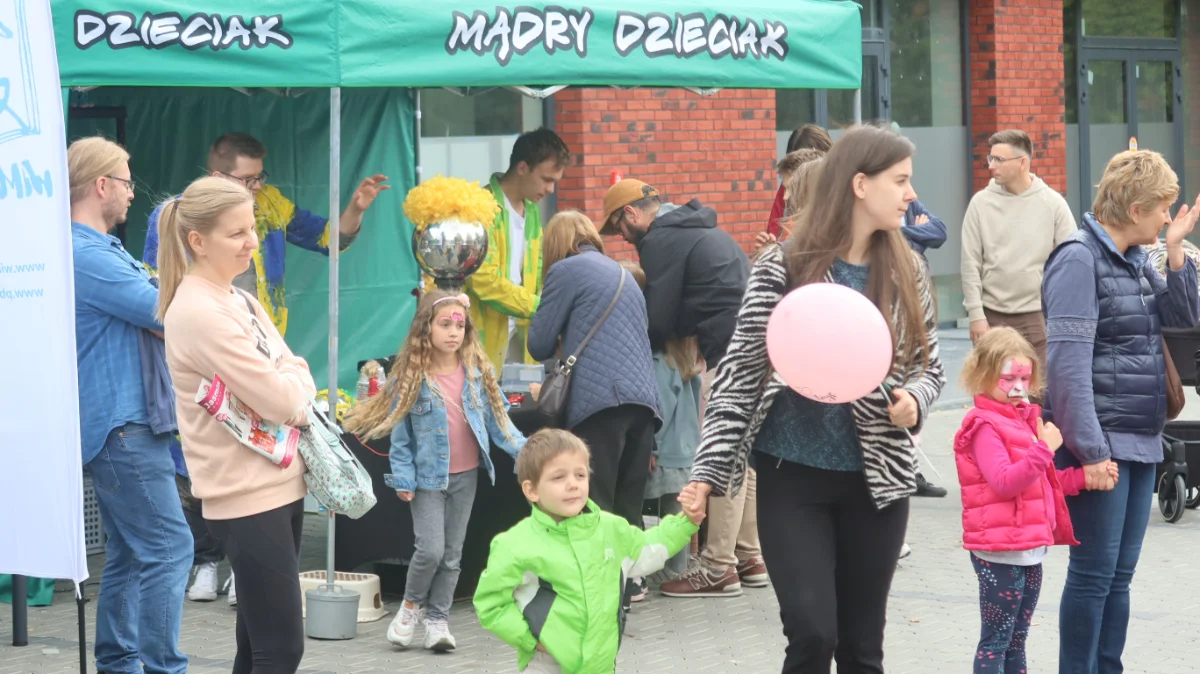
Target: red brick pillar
[
  {"x": 1017, "y": 82},
  {"x": 719, "y": 149}
]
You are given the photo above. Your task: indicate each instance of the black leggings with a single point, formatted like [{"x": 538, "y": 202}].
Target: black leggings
[
  {"x": 264, "y": 551},
  {"x": 621, "y": 440},
  {"x": 832, "y": 555}
]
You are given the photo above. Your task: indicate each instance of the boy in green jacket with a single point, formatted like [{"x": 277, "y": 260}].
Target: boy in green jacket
[{"x": 553, "y": 584}]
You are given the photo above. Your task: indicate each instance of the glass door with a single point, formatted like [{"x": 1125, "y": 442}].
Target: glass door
[{"x": 1127, "y": 97}]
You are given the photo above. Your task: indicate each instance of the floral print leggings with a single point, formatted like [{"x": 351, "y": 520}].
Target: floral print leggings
[{"x": 1008, "y": 594}]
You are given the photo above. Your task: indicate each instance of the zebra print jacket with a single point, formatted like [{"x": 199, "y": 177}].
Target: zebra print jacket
[{"x": 745, "y": 387}]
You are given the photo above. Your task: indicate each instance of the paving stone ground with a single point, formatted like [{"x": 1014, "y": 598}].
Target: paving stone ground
[{"x": 933, "y": 614}]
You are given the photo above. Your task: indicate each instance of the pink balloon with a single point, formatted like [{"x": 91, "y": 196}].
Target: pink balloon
[{"x": 829, "y": 343}]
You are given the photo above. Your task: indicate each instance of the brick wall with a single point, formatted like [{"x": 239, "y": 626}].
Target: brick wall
[
  {"x": 719, "y": 149},
  {"x": 1017, "y": 81}
]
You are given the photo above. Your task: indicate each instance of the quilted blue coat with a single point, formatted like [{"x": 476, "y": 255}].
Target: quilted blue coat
[{"x": 616, "y": 368}]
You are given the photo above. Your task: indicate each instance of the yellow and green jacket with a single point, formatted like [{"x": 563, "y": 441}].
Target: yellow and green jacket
[
  {"x": 277, "y": 222},
  {"x": 494, "y": 298}
]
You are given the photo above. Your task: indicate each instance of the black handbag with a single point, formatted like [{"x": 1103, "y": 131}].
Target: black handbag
[{"x": 552, "y": 400}]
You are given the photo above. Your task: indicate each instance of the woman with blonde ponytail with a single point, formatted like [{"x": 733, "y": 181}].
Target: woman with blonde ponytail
[{"x": 254, "y": 507}]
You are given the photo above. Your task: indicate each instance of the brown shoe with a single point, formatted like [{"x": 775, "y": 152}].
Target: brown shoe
[
  {"x": 753, "y": 572},
  {"x": 700, "y": 583}
]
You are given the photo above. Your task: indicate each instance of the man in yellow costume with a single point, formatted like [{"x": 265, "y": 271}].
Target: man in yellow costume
[
  {"x": 507, "y": 287},
  {"x": 239, "y": 157}
]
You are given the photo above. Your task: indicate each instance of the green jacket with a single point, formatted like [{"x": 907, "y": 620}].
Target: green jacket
[{"x": 560, "y": 583}]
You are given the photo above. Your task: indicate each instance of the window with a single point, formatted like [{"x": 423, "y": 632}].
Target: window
[
  {"x": 926, "y": 55},
  {"x": 1126, "y": 18},
  {"x": 497, "y": 112}
]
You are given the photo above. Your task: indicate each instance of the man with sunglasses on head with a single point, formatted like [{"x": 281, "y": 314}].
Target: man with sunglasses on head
[
  {"x": 1010, "y": 229},
  {"x": 238, "y": 157}
]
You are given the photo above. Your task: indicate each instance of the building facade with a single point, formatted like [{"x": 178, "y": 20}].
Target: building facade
[{"x": 1082, "y": 77}]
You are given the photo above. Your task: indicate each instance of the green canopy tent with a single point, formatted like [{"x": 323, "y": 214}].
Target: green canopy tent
[
  {"x": 183, "y": 73},
  {"x": 178, "y": 74}
]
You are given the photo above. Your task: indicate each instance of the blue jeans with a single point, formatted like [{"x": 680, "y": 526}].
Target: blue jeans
[
  {"x": 149, "y": 555},
  {"x": 1094, "y": 613}
]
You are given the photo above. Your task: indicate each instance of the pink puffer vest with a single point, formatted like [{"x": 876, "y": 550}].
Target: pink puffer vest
[{"x": 1032, "y": 519}]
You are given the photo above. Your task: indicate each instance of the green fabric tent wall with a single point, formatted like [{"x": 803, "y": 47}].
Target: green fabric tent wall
[{"x": 168, "y": 131}]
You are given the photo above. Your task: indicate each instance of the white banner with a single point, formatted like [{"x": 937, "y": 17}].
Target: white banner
[{"x": 41, "y": 479}]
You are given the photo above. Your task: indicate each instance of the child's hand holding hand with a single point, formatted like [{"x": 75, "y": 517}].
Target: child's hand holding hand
[
  {"x": 406, "y": 496},
  {"x": 1049, "y": 434},
  {"x": 690, "y": 510}
]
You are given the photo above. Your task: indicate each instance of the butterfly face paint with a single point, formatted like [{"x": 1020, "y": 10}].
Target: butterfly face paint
[
  {"x": 1015, "y": 379},
  {"x": 458, "y": 317}
]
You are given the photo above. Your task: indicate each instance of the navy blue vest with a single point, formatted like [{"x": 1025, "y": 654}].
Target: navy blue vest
[{"x": 1129, "y": 379}]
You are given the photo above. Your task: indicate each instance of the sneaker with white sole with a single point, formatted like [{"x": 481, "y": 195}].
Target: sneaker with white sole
[
  {"x": 700, "y": 583},
  {"x": 905, "y": 551},
  {"x": 438, "y": 637},
  {"x": 232, "y": 590},
  {"x": 204, "y": 583},
  {"x": 400, "y": 632}
]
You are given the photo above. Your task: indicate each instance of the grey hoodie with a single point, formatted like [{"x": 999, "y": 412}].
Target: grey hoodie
[{"x": 1006, "y": 240}]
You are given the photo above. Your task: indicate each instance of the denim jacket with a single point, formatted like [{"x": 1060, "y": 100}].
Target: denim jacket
[
  {"x": 114, "y": 299},
  {"x": 420, "y": 451}
]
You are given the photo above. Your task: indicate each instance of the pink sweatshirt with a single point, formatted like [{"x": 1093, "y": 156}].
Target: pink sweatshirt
[
  {"x": 209, "y": 330},
  {"x": 1012, "y": 494}
]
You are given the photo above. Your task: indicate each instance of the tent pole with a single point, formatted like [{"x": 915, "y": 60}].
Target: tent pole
[
  {"x": 20, "y": 610},
  {"x": 858, "y": 106},
  {"x": 335, "y": 204},
  {"x": 80, "y": 602},
  {"x": 417, "y": 132}
]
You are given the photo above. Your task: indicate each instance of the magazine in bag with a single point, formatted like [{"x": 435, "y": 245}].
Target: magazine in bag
[{"x": 275, "y": 442}]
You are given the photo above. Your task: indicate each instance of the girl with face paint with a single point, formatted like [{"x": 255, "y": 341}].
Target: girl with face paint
[
  {"x": 443, "y": 409},
  {"x": 1014, "y": 504}
]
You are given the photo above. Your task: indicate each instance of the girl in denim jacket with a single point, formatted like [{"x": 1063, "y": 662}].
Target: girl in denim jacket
[{"x": 444, "y": 409}]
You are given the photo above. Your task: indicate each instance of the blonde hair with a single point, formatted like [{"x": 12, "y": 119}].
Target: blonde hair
[
  {"x": 799, "y": 188},
  {"x": 197, "y": 210},
  {"x": 376, "y": 416},
  {"x": 88, "y": 160},
  {"x": 1139, "y": 178},
  {"x": 543, "y": 447},
  {"x": 986, "y": 361},
  {"x": 683, "y": 354},
  {"x": 565, "y": 235}
]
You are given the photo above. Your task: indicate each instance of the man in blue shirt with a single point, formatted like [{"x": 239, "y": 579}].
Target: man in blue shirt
[{"x": 149, "y": 549}]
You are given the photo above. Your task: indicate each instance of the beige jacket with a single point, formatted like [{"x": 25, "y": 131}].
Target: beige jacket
[
  {"x": 1006, "y": 240},
  {"x": 209, "y": 330}
]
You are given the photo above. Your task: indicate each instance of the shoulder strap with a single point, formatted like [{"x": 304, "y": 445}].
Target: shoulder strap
[
  {"x": 246, "y": 299},
  {"x": 611, "y": 305}
]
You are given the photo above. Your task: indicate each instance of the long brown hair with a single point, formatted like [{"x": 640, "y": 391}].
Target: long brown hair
[
  {"x": 822, "y": 232},
  {"x": 198, "y": 209},
  {"x": 374, "y": 417},
  {"x": 565, "y": 235}
]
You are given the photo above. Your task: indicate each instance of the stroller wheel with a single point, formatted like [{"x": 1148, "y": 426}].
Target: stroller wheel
[
  {"x": 1193, "y": 498},
  {"x": 1172, "y": 497}
]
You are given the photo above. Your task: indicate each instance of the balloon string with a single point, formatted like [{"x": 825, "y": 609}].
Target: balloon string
[{"x": 887, "y": 395}]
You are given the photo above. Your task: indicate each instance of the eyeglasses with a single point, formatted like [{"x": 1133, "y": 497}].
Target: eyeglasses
[
  {"x": 993, "y": 159},
  {"x": 128, "y": 183},
  {"x": 258, "y": 180}
]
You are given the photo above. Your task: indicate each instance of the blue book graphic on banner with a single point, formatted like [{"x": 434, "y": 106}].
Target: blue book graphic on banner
[{"x": 18, "y": 94}]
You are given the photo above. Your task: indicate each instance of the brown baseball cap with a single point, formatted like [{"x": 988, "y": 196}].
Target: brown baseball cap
[{"x": 619, "y": 196}]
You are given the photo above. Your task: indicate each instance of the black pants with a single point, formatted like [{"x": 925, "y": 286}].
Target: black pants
[
  {"x": 207, "y": 547},
  {"x": 832, "y": 555},
  {"x": 264, "y": 551},
  {"x": 621, "y": 440}
]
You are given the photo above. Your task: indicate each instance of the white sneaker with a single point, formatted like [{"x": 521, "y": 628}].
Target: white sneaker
[
  {"x": 437, "y": 636},
  {"x": 204, "y": 583},
  {"x": 400, "y": 632},
  {"x": 232, "y": 590},
  {"x": 905, "y": 551}
]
